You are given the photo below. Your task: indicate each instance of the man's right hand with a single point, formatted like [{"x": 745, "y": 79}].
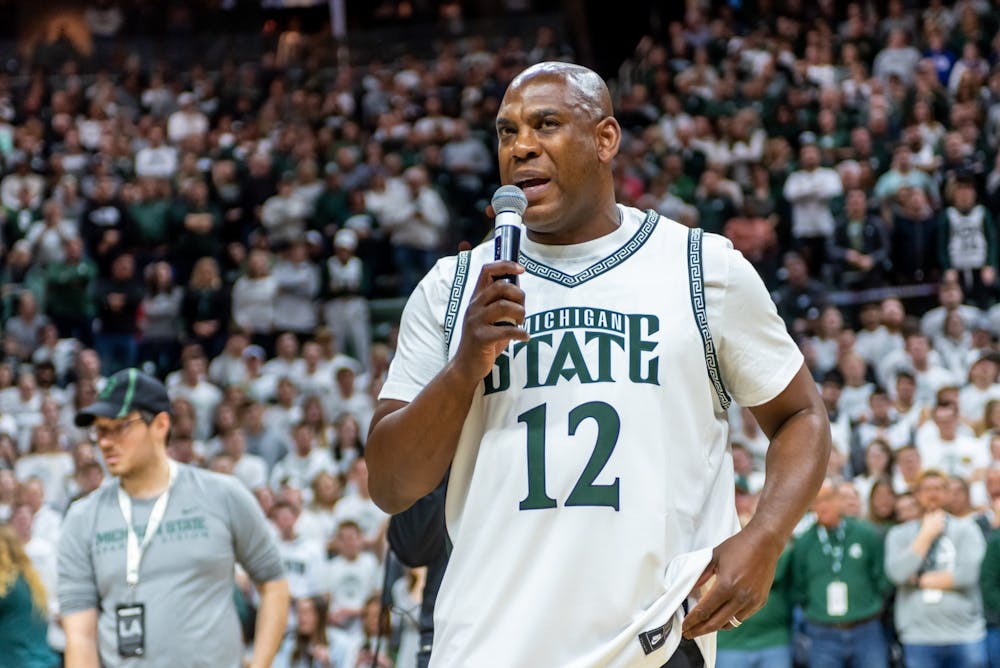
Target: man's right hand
[
  {"x": 933, "y": 523},
  {"x": 492, "y": 301}
]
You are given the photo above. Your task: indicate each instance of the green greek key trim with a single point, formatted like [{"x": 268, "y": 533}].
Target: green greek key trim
[
  {"x": 696, "y": 279},
  {"x": 455, "y": 298}
]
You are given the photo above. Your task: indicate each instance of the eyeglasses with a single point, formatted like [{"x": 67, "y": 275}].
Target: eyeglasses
[{"x": 112, "y": 431}]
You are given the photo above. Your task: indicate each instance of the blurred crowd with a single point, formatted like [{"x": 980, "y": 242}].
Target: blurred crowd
[{"x": 228, "y": 230}]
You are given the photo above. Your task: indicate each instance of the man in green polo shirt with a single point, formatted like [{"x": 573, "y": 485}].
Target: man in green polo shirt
[
  {"x": 989, "y": 581},
  {"x": 838, "y": 579}
]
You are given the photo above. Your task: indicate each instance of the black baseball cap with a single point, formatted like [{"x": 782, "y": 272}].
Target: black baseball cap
[{"x": 126, "y": 391}]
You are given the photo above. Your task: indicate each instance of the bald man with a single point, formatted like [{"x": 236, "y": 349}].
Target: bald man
[{"x": 591, "y": 486}]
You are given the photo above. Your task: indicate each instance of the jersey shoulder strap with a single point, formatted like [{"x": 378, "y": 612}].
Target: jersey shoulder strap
[
  {"x": 455, "y": 296},
  {"x": 696, "y": 283}
]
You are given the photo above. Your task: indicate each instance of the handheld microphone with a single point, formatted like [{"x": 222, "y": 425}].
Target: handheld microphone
[{"x": 509, "y": 204}]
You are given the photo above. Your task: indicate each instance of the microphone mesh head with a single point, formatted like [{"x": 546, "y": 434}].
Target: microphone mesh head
[{"x": 509, "y": 198}]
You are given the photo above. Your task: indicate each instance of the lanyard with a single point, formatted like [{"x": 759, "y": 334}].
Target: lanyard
[
  {"x": 836, "y": 552},
  {"x": 133, "y": 549}
]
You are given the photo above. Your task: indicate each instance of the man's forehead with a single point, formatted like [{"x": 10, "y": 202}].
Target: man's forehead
[
  {"x": 560, "y": 90},
  {"x": 531, "y": 91}
]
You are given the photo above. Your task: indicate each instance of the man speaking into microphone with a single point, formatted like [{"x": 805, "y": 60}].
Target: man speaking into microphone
[{"x": 590, "y": 492}]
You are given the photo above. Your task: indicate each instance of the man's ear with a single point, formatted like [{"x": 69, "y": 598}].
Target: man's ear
[
  {"x": 161, "y": 423},
  {"x": 609, "y": 137}
]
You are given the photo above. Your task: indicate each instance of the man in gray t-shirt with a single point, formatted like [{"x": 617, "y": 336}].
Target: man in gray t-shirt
[
  {"x": 164, "y": 599},
  {"x": 934, "y": 561}
]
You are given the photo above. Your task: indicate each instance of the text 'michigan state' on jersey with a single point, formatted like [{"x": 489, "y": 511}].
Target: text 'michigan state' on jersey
[{"x": 593, "y": 477}]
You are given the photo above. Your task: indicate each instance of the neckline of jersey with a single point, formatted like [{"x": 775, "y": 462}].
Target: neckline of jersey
[{"x": 594, "y": 249}]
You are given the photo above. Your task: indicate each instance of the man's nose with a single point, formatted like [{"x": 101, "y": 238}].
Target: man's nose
[{"x": 526, "y": 144}]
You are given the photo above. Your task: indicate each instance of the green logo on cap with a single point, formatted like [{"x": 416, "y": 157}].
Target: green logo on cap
[{"x": 108, "y": 388}]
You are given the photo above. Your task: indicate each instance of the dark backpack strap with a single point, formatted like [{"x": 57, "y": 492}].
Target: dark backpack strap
[
  {"x": 455, "y": 297},
  {"x": 696, "y": 281}
]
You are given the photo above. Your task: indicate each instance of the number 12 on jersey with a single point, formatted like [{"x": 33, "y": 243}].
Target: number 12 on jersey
[{"x": 585, "y": 492}]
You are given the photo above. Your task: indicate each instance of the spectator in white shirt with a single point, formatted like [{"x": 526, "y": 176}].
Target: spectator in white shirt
[
  {"x": 46, "y": 462},
  {"x": 880, "y": 421},
  {"x": 195, "y": 388},
  {"x": 346, "y": 310},
  {"x": 284, "y": 215},
  {"x": 297, "y": 280},
  {"x": 15, "y": 182},
  {"x": 301, "y": 557},
  {"x": 47, "y": 521},
  {"x": 950, "y": 298},
  {"x": 350, "y": 578},
  {"x": 300, "y": 466},
  {"x": 923, "y": 363},
  {"x": 24, "y": 403},
  {"x": 286, "y": 411},
  {"x": 357, "y": 505},
  {"x": 187, "y": 120},
  {"x": 853, "y": 400},
  {"x": 955, "y": 345},
  {"x": 228, "y": 368},
  {"x": 253, "y": 298},
  {"x": 319, "y": 516},
  {"x": 23, "y": 329},
  {"x": 258, "y": 386},
  {"x": 981, "y": 388},
  {"x": 347, "y": 398},
  {"x": 947, "y": 444},
  {"x": 907, "y": 470},
  {"x": 809, "y": 190},
  {"x": 156, "y": 160},
  {"x": 250, "y": 469},
  {"x": 897, "y": 58},
  {"x": 286, "y": 361},
  {"x": 312, "y": 374},
  {"x": 880, "y": 331},
  {"x": 417, "y": 229},
  {"x": 47, "y": 237}
]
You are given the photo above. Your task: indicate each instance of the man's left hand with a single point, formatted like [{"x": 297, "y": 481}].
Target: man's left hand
[{"x": 743, "y": 569}]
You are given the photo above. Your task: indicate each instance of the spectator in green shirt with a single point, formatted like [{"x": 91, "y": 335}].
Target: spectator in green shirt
[
  {"x": 23, "y": 620},
  {"x": 838, "y": 579},
  {"x": 69, "y": 286},
  {"x": 989, "y": 581},
  {"x": 149, "y": 205},
  {"x": 765, "y": 638}
]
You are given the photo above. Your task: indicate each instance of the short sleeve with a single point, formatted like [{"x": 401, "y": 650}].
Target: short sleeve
[
  {"x": 421, "y": 351},
  {"x": 758, "y": 357},
  {"x": 77, "y": 588},
  {"x": 253, "y": 542}
]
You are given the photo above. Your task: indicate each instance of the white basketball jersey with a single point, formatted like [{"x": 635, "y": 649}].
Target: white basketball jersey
[
  {"x": 967, "y": 245},
  {"x": 593, "y": 477}
]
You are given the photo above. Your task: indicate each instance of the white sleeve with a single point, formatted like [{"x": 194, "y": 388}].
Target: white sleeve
[
  {"x": 797, "y": 187},
  {"x": 421, "y": 349},
  {"x": 757, "y": 356},
  {"x": 830, "y": 184}
]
